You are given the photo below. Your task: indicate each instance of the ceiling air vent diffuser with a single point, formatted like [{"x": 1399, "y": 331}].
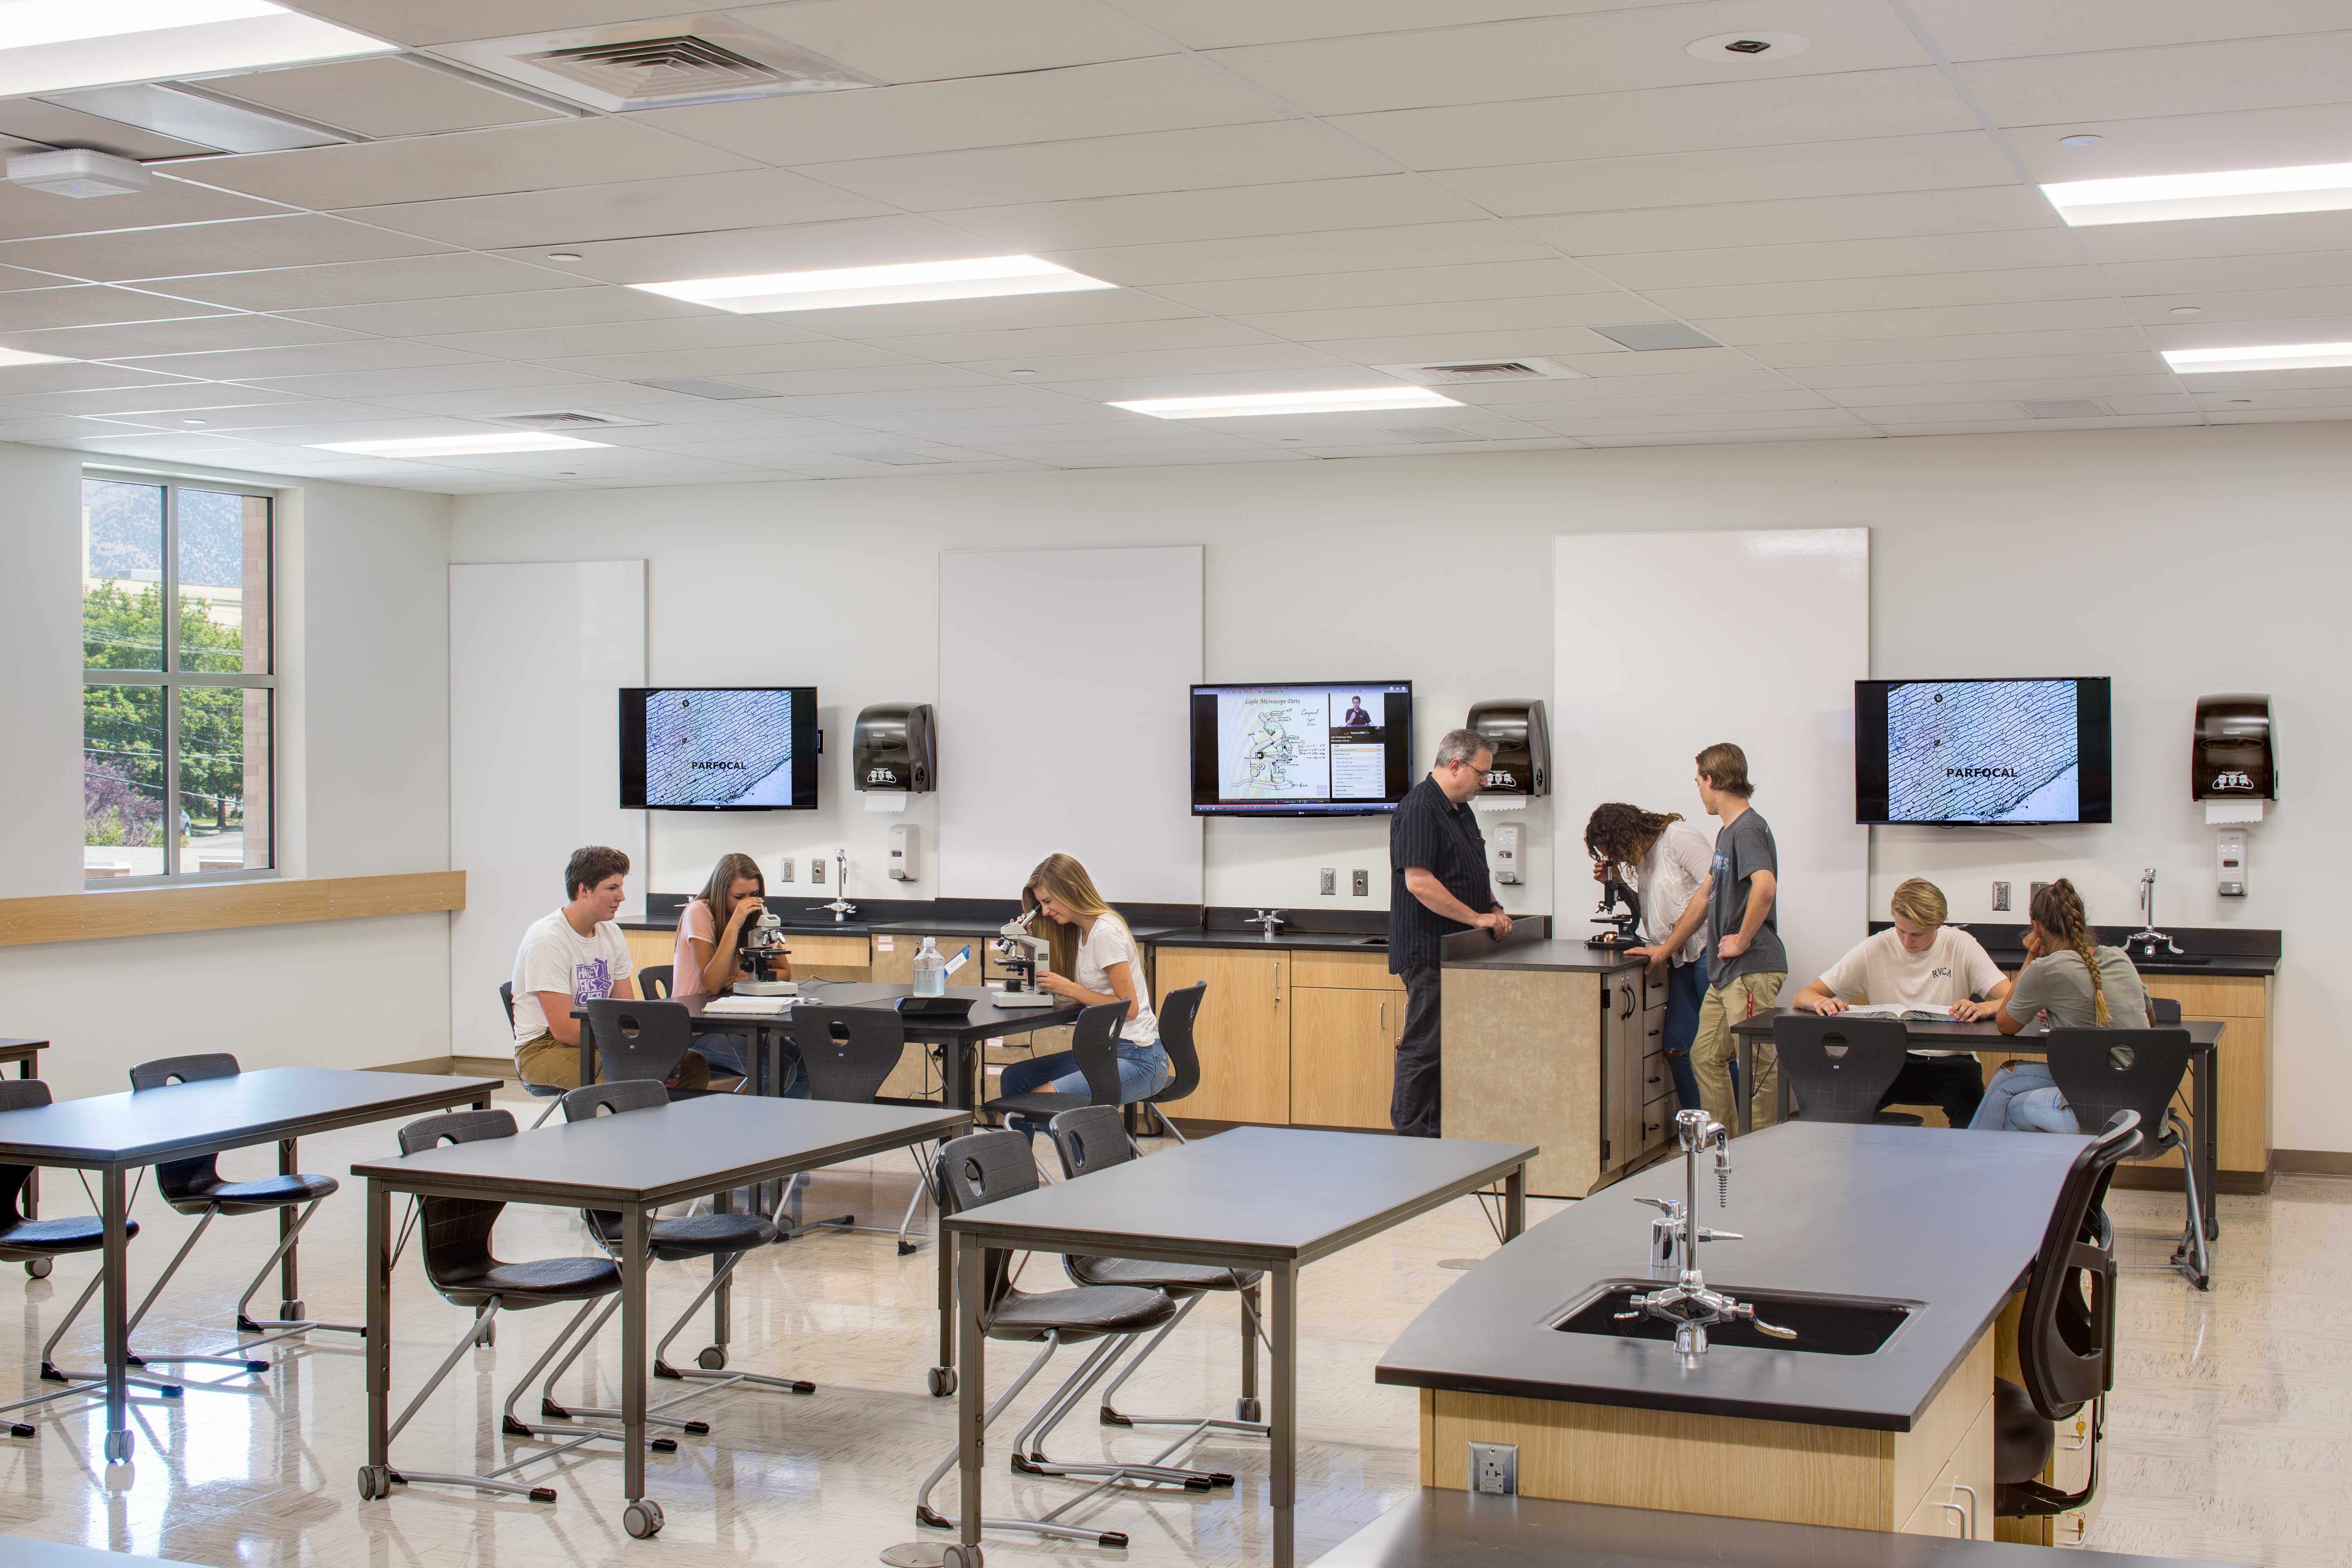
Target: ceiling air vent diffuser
[
  {"x": 657, "y": 64},
  {"x": 1481, "y": 371}
]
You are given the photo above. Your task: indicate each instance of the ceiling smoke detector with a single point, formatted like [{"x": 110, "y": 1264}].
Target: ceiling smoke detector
[
  {"x": 78, "y": 172},
  {"x": 562, "y": 419},
  {"x": 657, "y": 64},
  {"x": 1739, "y": 48},
  {"x": 1481, "y": 370}
]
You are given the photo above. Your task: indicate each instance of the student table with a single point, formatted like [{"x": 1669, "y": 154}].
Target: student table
[
  {"x": 1984, "y": 1039},
  {"x": 115, "y": 1134},
  {"x": 633, "y": 1163},
  {"x": 1270, "y": 1198},
  {"x": 23, "y": 1053}
]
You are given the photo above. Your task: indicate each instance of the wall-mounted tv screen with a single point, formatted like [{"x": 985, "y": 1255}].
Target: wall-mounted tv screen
[
  {"x": 1983, "y": 751},
  {"x": 733, "y": 748},
  {"x": 1332, "y": 748}
]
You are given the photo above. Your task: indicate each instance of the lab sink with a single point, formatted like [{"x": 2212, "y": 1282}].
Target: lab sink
[
  {"x": 1824, "y": 1325},
  {"x": 1371, "y": 941}
]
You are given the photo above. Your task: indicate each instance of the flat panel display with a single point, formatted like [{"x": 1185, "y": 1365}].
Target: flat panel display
[
  {"x": 736, "y": 748},
  {"x": 1328, "y": 748},
  {"x": 2005, "y": 752}
]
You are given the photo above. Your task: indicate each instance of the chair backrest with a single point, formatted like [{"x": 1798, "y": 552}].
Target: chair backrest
[
  {"x": 2102, "y": 1072},
  {"x": 617, "y": 1099},
  {"x": 1090, "y": 1139},
  {"x": 456, "y": 1231},
  {"x": 1840, "y": 1068},
  {"x": 2166, "y": 1010},
  {"x": 978, "y": 1168},
  {"x": 654, "y": 979},
  {"x": 505, "y": 1000},
  {"x": 847, "y": 1052},
  {"x": 17, "y": 1094},
  {"x": 1094, "y": 1042},
  {"x": 2065, "y": 1341},
  {"x": 182, "y": 1070},
  {"x": 1178, "y": 1010},
  {"x": 639, "y": 1039}
]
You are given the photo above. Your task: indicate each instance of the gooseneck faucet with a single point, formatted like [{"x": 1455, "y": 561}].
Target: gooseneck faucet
[
  {"x": 2147, "y": 934},
  {"x": 1267, "y": 920},
  {"x": 1687, "y": 1303},
  {"x": 841, "y": 907}
]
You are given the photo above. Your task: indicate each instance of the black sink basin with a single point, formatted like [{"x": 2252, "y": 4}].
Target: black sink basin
[
  {"x": 1824, "y": 1325},
  {"x": 1371, "y": 941}
]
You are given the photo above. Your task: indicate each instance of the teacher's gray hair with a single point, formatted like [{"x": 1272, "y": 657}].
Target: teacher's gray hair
[{"x": 1460, "y": 746}]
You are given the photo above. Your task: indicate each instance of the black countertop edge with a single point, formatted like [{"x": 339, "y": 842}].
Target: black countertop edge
[
  {"x": 1643, "y": 1399},
  {"x": 793, "y": 903},
  {"x": 1563, "y": 955},
  {"x": 1283, "y": 942},
  {"x": 2219, "y": 950}
]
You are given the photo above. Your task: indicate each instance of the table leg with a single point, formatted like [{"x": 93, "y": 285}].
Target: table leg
[
  {"x": 1284, "y": 1436},
  {"x": 2204, "y": 1103},
  {"x": 1515, "y": 1201},
  {"x": 33, "y": 1177},
  {"x": 289, "y": 1268},
  {"x": 1743, "y": 1052},
  {"x": 1247, "y": 1407},
  {"x": 722, "y": 1300},
  {"x": 955, "y": 1090},
  {"x": 379, "y": 1324},
  {"x": 113, "y": 1209},
  {"x": 971, "y": 1391},
  {"x": 634, "y": 1265},
  {"x": 943, "y": 1242}
]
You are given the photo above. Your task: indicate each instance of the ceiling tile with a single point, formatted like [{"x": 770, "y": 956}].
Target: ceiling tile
[
  {"x": 469, "y": 164},
  {"x": 2277, "y": 234},
  {"x": 1905, "y": 163},
  {"x": 495, "y": 313},
  {"x": 1521, "y": 399},
  {"x": 2295, "y": 269},
  {"x": 711, "y": 329},
  {"x": 183, "y": 249},
  {"x": 1664, "y": 424},
  {"x": 455, "y": 21},
  {"x": 201, "y": 336},
  {"x": 1934, "y": 322},
  {"x": 921, "y": 40},
  {"x": 1668, "y": 269},
  {"x": 1011, "y": 313},
  {"x": 1811, "y": 220},
  {"x": 30, "y": 119},
  {"x": 306, "y": 359},
  {"x": 1736, "y": 438},
  {"x": 26, "y": 380},
  {"x": 1223, "y": 24},
  {"x": 1398, "y": 286},
  {"x": 1916, "y": 352},
  {"x": 86, "y": 305},
  {"x": 1995, "y": 29},
  {"x": 405, "y": 382},
  {"x": 1118, "y": 99},
  {"x": 738, "y": 199},
  {"x": 367, "y": 282},
  {"x": 2013, "y": 390},
  {"x": 855, "y": 242},
  {"x": 169, "y": 200},
  {"x": 2304, "y": 314},
  {"x": 729, "y": 363},
  {"x": 386, "y": 96},
  {"x": 1438, "y": 348},
  {"x": 2059, "y": 366},
  {"x": 2189, "y": 144},
  {"x": 1309, "y": 255},
  {"x": 1912, "y": 291},
  {"x": 2193, "y": 78},
  {"x": 174, "y": 399},
  {"x": 1450, "y": 317},
  {"x": 1159, "y": 219},
  {"x": 1048, "y": 342}
]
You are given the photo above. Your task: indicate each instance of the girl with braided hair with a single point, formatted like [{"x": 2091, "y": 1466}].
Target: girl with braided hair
[{"x": 2079, "y": 985}]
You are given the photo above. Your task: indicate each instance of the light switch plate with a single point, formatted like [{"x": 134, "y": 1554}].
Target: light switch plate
[
  {"x": 1330, "y": 881},
  {"x": 785, "y": 870},
  {"x": 1363, "y": 883},
  {"x": 1494, "y": 1468},
  {"x": 2001, "y": 895}
]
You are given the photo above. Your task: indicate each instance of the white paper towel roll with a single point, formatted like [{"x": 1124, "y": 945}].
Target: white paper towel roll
[
  {"x": 2233, "y": 811},
  {"x": 1499, "y": 801},
  {"x": 886, "y": 800}
]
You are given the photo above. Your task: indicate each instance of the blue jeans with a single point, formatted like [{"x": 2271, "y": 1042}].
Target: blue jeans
[
  {"x": 1143, "y": 1071},
  {"x": 2023, "y": 1099},
  {"x": 1685, "y": 985},
  {"x": 724, "y": 1052}
]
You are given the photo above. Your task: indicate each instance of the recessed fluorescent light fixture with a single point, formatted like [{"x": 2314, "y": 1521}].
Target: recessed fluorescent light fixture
[
  {"x": 2274, "y": 356},
  {"x": 981, "y": 278},
  {"x": 23, "y": 356},
  {"x": 1352, "y": 401},
  {"x": 459, "y": 445},
  {"x": 49, "y": 46},
  {"x": 2237, "y": 193}
]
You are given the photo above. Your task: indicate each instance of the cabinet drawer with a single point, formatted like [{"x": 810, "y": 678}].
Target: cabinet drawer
[
  {"x": 1657, "y": 1079},
  {"x": 1343, "y": 971},
  {"x": 1653, "y": 989}
]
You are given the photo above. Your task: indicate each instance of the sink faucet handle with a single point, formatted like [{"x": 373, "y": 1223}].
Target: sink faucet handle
[
  {"x": 1706, "y": 1234},
  {"x": 1665, "y": 1206}
]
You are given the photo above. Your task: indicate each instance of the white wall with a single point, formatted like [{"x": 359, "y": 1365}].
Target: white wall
[
  {"x": 2180, "y": 560},
  {"x": 363, "y": 778}
]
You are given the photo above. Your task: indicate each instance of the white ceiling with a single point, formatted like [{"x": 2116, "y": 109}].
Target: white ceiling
[{"x": 1288, "y": 193}]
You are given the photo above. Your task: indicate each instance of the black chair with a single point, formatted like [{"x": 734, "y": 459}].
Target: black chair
[
  {"x": 1094, "y": 1139},
  {"x": 39, "y": 1241},
  {"x": 195, "y": 1187},
  {"x": 2065, "y": 1338},
  {"x": 636, "y": 1039},
  {"x": 1094, "y": 1041},
  {"x": 1840, "y": 1068},
  {"x": 723, "y": 1238},
  {"x": 2102, "y": 1072},
  {"x": 849, "y": 1053},
  {"x": 654, "y": 980},
  {"x": 1177, "y": 1012},
  {"x": 542, "y": 1090},
  {"x": 464, "y": 1271},
  {"x": 981, "y": 1169}
]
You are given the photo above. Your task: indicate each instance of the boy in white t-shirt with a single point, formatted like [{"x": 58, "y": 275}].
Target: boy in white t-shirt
[
  {"x": 572, "y": 957},
  {"x": 1921, "y": 963}
]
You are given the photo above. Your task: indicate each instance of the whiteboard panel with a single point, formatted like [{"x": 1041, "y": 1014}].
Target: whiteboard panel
[
  {"x": 537, "y": 651},
  {"x": 1064, "y": 686},
  {"x": 1666, "y": 643}
]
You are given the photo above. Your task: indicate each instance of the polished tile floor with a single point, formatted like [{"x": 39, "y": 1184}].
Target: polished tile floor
[{"x": 2230, "y": 1435}]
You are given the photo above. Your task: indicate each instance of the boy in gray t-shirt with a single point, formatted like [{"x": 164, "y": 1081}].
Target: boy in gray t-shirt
[{"x": 1743, "y": 847}]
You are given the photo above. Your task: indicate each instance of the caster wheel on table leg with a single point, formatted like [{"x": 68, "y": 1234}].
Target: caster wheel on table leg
[
  {"x": 375, "y": 1482},
  {"x": 961, "y": 1557},
  {"x": 942, "y": 1380},
  {"x": 290, "y": 1312},
  {"x": 1249, "y": 1410},
  {"x": 38, "y": 1268},
  {"x": 118, "y": 1448},
  {"x": 712, "y": 1359},
  {"x": 21, "y": 1429},
  {"x": 641, "y": 1519}
]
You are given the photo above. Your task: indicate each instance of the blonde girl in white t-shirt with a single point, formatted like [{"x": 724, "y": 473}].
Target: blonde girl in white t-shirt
[{"x": 1095, "y": 961}]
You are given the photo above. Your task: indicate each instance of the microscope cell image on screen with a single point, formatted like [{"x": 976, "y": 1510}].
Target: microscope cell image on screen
[
  {"x": 719, "y": 748},
  {"x": 1277, "y": 745},
  {"x": 1983, "y": 752}
]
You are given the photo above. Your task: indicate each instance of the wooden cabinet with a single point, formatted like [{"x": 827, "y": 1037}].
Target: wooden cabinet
[
  {"x": 647, "y": 948},
  {"x": 1343, "y": 1056},
  {"x": 1243, "y": 1031}
]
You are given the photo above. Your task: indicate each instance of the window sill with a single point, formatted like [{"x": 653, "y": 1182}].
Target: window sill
[{"x": 104, "y": 913}]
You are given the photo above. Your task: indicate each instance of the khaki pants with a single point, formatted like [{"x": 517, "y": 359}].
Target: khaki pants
[
  {"x": 548, "y": 1060},
  {"x": 1711, "y": 1056}
]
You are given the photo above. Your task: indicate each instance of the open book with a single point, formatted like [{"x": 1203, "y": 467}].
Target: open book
[
  {"x": 748, "y": 1007},
  {"x": 1907, "y": 1015}
]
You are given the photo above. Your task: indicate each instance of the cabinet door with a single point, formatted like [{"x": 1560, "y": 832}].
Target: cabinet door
[
  {"x": 1621, "y": 1065},
  {"x": 1343, "y": 1056},
  {"x": 1243, "y": 1032}
]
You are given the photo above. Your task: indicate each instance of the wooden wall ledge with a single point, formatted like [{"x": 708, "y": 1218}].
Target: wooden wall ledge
[{"x": 224, "y": 906}]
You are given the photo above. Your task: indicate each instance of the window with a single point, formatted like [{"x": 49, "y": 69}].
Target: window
[{"x": 178, "y": 685}]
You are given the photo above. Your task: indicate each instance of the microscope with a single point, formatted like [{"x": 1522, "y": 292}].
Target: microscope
[
  {"x": 1687, "y": 1303},
  {"x": 1028, "y": 956},
  {"x": 1613, "y": 893},
  {"x": 763, "y": 944}
]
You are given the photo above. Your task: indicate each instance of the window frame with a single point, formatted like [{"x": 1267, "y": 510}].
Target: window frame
[{"x": 171, "y": 679}]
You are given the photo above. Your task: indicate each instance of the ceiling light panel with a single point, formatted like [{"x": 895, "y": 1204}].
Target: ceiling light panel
[
  {"x": 458, "y": 445},
  {"x": 51, "y": 45},
  {"x": 2272, "y": 357},
  {"x": 658, "y": 64},
  {"x": 24, "y": 356},
  {"x": 2170, "y": 198},
  {"x": 1352, "y": 400},
  {"x": 978, "y": 278},
  {"x": 186, "y": 117}
]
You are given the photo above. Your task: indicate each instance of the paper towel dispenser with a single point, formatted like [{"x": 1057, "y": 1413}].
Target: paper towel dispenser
[
  {"x": 892, "y": 748},
  {"x": 2234, "y": 754},
  {"x": 1514, "y": 727}
]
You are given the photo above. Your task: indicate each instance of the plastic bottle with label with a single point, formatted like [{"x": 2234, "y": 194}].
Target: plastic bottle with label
[{"x": 930, "y": 970}]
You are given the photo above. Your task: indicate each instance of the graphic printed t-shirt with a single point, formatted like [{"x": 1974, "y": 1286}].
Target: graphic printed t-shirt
[
  {"x": 1109, "y": 943},
  {"x": 1953, "y": 968},
  {"x": 556, "y": 958},
  {"x": 2061, "y": 985},
  {"x": 1741, "y": 850},
  {"x": 1665, "y": 880}
]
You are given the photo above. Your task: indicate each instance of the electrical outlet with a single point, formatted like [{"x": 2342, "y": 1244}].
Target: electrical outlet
[
  {"x": 817, "y": 870},
  {"x": 1494, "y": 1468},
  {"x": 2001, "y": 895},
  {"x": 1363, "y": 883},
  {"x": 1330, "y": 881},
  {"x": 785, "y": 870}
]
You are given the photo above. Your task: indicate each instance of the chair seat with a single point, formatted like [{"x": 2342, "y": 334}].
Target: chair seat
[
  {"x": 697, "y": 1236},
  {"x": 536, "y": 1284},
  {"x": 1142, "y": 1274},
  {"x": 2022, "y": 1441},
  {"x": 32, "y": 1238},
  {"x": 1042, "y": 1106},
  {"x": 1898, "y": 1118},
  {"x": 254, "y": 1197},
  {"x": 1083, "y": 1313}
]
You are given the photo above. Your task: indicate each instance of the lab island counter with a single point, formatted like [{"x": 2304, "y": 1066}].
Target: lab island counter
[{"x": 1937, "y": 1224}]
